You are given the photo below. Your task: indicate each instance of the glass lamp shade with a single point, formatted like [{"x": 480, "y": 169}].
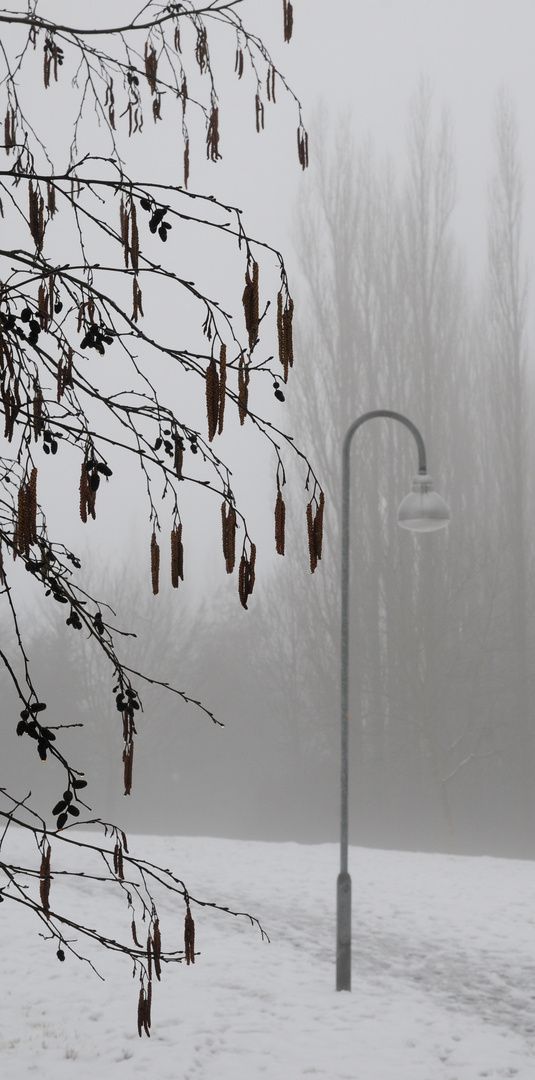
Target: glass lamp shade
[{"x": 422, "y": 510}]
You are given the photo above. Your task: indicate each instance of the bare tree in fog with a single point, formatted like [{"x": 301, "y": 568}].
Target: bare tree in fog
[
  {"x": 509, "y": 460},
  {"x": 391, "y": 322},
  {"x": 92, "y": 370}
]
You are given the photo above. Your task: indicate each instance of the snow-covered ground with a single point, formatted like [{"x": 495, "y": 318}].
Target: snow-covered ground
[{"x": 443, "y": 974}]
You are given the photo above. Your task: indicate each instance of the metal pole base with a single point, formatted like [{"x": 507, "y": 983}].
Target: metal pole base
[{"x": 343, "y": 931}]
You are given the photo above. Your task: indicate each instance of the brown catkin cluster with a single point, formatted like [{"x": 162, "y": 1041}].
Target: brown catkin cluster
[
  {"x": 259, "y": 110},
  {"x": 129, "y": 233},
  {"x": 212, "y": 135},
  {"x": 11, "y": 403},
  {"x": 201, "y": 48},
  {"x": 247, "y": 575},
  {"x": 280, "y": 523},
  {"x": 250, "y": 302},
  {"x": 228, "y": 528},
  {"x": 137, "y": 300},
  {"x": 212, "y": 398},
  {"x": 45, "y": 302},
  {"x": 315, "y": 529},
  {"x": 50, "y": 199},
  {"x": 151, "y": 66},
  {"x": 53, "y": 56},
  {"x": 189, "y": 937},
  {"x": 288, "y": 15},
  {"x": 36, "y": 206},
  {"x": 243, "y": 389},
  {"x": 38, "y": 400},
  {"x": 179, "y": 458},
  {"x": 10, "y": 130},
  {"x": 186, "y": 160},
  {"x": 270, "y": 84},
  {"x": 216, "y": 384},
  {"x": 157, "y": 948},
  {"x": 88, "y": 494},
  {"x": 118, "y": 860},
  {"x": 44, "y": 881},
  {"x": 285, "y": 310},
  {"x": 177, "y": 556},
  {"x": 128, "y": 759},
  {"x": 64, "y": 373},
  {"x": 25, "y": 533},
  {"x": 302, "y": 147},
  {"x": 144, "y": 1010},
  {"x": 155, "y": 563},
  {"x": 222, "y": 386},
  {"x": 9, "y": 386}
]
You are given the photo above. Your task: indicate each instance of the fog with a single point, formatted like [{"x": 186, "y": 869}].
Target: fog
[{"x": 443, "y": 628}]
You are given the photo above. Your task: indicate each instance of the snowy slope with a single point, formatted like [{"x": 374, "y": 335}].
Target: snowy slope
[{"x": 443, "y": 974}]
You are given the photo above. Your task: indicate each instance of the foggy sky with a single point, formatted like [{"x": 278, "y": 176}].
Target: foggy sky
[{"x": 365, "y": 57}]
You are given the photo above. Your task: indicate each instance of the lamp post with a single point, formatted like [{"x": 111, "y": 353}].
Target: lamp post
[{"x": 422, "y": 510}]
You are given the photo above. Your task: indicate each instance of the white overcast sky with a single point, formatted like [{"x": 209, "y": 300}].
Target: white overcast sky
[{"x": 367, "y": 56}]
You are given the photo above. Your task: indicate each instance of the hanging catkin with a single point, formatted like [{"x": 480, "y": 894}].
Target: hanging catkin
[
  {"x": 222, "y": 386},
  {"x": 155, "y": 563},
  {"x": 315, "y": 529},
  {"x": 177, "y": 556},
  {"x": 228, "y": 528},
  {"x": 26, "y": 521},
  {"x": 250, "y": 302},
  {"x": 285, "y": 310},
  {"x": 44, "y": 881},
  {"x": 212, "y": 398},
  {"x": 189, "y": 937},
  {"x": 243, "y": 389},
  {"x": 280, "y": 523},
  {"x": 246, "y": 578}
]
